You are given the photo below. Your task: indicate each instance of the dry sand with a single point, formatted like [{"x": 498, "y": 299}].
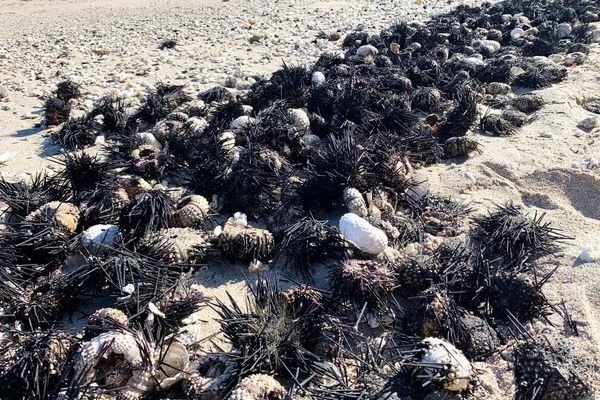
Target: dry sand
[{"x": 544, "y": 167}]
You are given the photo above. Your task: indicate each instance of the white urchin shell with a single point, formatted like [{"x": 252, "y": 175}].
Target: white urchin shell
[
  {"x": 440, "y": 351},
  {"x": 191, "y": 210},
  {"x": 99, "y": 237},
  {"x": 227, "y": 140},
  {"x": 362, "y": 234},
  {"x": 196, "y": 125},
  {"x": 299, "y": 119},
  {"x": 367, "y": 50},
  {"x": 355, "y": 202},
  {"x": 258, "y": 387}
]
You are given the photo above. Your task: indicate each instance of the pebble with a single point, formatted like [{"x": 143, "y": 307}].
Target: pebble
[
  {"x": 28, "y": 115},
  {"x": 556, "y": 58},
  {"x": 588, "y": 123},
  {"x": 596, "y": 35},
  {"x": 471, "y": 178},
  {"x": 231, "y": 82},
  {"x": 547, "y": 135},
  {"x": 4, "y": 157},
  {"x": 586, "y": 255},
  {"x": 576, "y": 58},
  {"x": 3, "y": 92}
]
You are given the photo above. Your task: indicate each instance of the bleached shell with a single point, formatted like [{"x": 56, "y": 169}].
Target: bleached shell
[
  {"x": 299, "y": 119},
  {"x": 191, "y": 210},
  {"x": 99, "y": 237},
  {"x": 258, "y": 387},
  {"x": 66, "y": 215},
  {"x": 310, "y": 139},
  {"x": 149, "y": 139},
  {"x": 472, "y": 61},
  {"x": 318, "y": 78},
  {"x": 5, "y": 156},
  {"x": 367, "y": 50},
  {"x": 563, "y": 30},
  {"x": 517, "y": 33},
  {"x": 227, "y": 140},
  {"x": 355, "y": 202},
  {"x": 492, "y": 45},
  {"x": 497, "y": 88},
  {"x": 362, "y": 234},
  {"x": 196, "y": 125},
  {"x": 440, "y": 351},
  {"x": 241, "y": 122}
]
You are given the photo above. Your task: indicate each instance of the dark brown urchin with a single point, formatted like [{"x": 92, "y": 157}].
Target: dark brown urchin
[
  {"x": 254, "y": 184},
  {"x": 56, "y": 111},
  {"x": 245, "y": 243},
  {"x": 417, "y": 273},
  {"x": 426, "y": 99},
  {"x": 533, "y": 77},
  {"x": 77, "y": 133},
  {"x": 35, "y": 365},
  {"x": 23, "y": 198},
  {"x": 459, "y": 120},
  {"x": 495, "y": 125},
  {"x": 167, "y": 44},
  {"x": 516, "y": 295},
  {"x": 160, "y": 102},
  {"x": 268, "y": 337},
  {"x": 363, "y": 283},
  {"x": 83, "y": 173},
  {"x": 516, "y": 238},
  {"x": 67, "y": 90},
  {"x": 148, "y": 212},
  {"x": 546, "y": 367},
  {"x": 307, "y": 242},
  {"x": 459, "y": 146},
  {"x": 115, "y": 116},
  {"x": 103, "y": 205},
  {"x": 290, "y": 83},
  {"x": 217, "y": 94},
  {"x": 528, "y": 103}
]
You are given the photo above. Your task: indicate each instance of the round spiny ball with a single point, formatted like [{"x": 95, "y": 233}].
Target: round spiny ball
[
  {"x": 459, "y": 146},
  {"x": 528, "y": 103},
  {"x": 517, "y": 295},
  {"x": 245, "y": 243},
  {"x": 515, "y": 117},
  {"x": 363, "y": 281},
  {"x": 496, "y": 125},
  {"x": 190, "y": 211},
  {"x": 548, "y": 366},
  {"x": 418, "y": 273},
  {"x": 476, "y": 337},
  {"x": 426, "y": 99},
  {"x": 430, "y": 314}
]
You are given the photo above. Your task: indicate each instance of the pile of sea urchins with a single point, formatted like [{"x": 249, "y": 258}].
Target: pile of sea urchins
[{"x": 313, "y": 169}]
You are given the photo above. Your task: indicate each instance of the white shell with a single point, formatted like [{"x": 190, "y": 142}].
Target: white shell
[
  {"x": 367, "y": 50},
  {"x": 318, "y": 78},
  {"x": 299, "y": 119},
  {"x": 472, "y": 61},
  {"x": 154, "y": 310},
  {"x": 441, "y": 352},
  {"x": 355, "y": 202},
  {"x": 198, "y": 125},
  {"x": 517, "y": 33},
  {"x": 149, "y": 138},
  {"x": 4, "y": 157},
  {"x": 99, "y": 237},
  {"x": 362, "y": 234},
  {"x": 227, "y": 140},
  {"x": 241, "y": 122},
  {"x": 492, "y": 45}
]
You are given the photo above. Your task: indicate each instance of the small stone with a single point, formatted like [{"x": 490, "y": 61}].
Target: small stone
[
  {"x": 547, "y": 135},
  {"x": 576, "y": 58},
  {"x": 471, "y": 178},
  {"x": 4, "y": 157},
  {"x": 28, "y": 115},
  {"x": 563, "y": 30},
  {"x": 3, "y": 92},
  {"x": 588, "y": 123},
  {"x": 556, "y": 58},
  {"x": 596, "y": 35},
  {"x": 586, "y": 255}
]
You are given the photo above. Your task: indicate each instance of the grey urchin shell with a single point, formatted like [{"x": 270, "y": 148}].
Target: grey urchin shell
[
  {"x": 258, "y": 387},
  {"x": 528, "y": 103},
  {"x": 175, "y": 245},
  {"x": 245, "y": 243},
  {"x": 547, "y": 365},
  {"x": 190, "y": 211},
  {"x": 496, "y": 126},
  {"x": 65, "y": 215},
  {"x": 459, "y": 146},
  {"x": 441, "y": 224},
  {"x": 495, "y": 88},
  {"x": 476, "y": 337},
  {"x": 515, "y": 117},
  {"x": 417, "y": 273}
]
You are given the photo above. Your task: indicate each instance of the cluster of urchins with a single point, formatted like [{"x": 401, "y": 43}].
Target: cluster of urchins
[{"x": 311, "y": 167}]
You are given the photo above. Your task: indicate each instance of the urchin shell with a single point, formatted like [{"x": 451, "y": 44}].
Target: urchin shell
[
  {"x": 362, "y": 234},
  {"x": 245, "y": 243},
  {"x": 457, "y": 372},
  {"x": 527, "y": 103},
  {"x": 355, "y": 202},
  {"x": 99, "y": 238},
  {"x": 459, "y": 146},
  {"x": 190, "y": 211},
  {"x": 515, "y": 117},
  {"x": 105, "y": 319},
  {"x": 175, "y": 245},
  {"x": 258, "y": 387},
  {"x": 65, "y": 215}
]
